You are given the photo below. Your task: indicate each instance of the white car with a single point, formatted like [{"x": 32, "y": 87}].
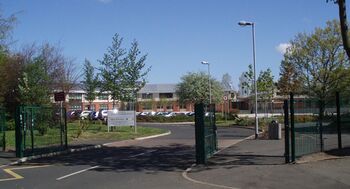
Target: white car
[
  {"x": 85, "y": 114},
  {"x": 170, "y": 114}
]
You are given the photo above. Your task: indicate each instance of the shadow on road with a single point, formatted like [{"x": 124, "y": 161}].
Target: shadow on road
[{"x": 175, "y": 157}]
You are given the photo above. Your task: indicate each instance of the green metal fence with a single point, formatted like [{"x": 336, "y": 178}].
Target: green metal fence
[
  {"x": 40, "y": 130},
  {"x": 2, "y": 129},
  {"x": 307, "y": 127},
  {"x": 206, "y": 132},
  {"x": 316, "y": 125}
]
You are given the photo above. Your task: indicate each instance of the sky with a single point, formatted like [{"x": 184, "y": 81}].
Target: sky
[{"x": 176, "y": 34}]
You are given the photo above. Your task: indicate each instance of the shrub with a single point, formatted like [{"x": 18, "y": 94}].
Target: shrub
[
  {"x": 162, "y": 119},
  {"x": 10, "y": 125},
  {"x": 42, "y": 128}
]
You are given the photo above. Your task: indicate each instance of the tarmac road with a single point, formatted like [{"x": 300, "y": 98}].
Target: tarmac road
[{"x": 151, "y": 163}]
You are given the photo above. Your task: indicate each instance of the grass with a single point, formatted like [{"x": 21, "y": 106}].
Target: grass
[{"x": 94, "y": 131}]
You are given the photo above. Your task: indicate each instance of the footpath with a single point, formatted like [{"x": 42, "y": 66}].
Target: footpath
[{"x": 260, "y": 164}]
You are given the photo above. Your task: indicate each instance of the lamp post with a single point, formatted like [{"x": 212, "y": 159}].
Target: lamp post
[
  {"x": 244, "y": 23},
  {"x": 209, "y": 83}
]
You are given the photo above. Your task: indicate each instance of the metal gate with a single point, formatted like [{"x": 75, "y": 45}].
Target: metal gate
[
  {"x": 206, "y": 132},
  {"x": 2, "y": 130},
  {"x": 40, "y": 130}
]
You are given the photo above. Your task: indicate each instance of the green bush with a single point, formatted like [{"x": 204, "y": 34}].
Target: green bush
[
  {"x": 229, "y": 116},
  {"x": 42, "y": 128},
  {"x": 162, "y": 119},
  {"x": 245, "y": 121},
  {"x": 10, "y": 125},
  {"x": 304, "y": 118}
]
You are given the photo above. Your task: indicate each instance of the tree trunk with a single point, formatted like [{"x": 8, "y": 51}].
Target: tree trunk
[{"x": 344, "y": 26}]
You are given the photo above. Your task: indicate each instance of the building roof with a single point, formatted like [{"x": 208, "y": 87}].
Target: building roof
[{"x": 158, "y": 88}]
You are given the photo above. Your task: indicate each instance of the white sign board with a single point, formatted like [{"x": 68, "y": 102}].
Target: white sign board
[{"x": 120, "y": 118}]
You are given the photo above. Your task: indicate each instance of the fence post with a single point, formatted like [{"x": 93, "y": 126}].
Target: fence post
[
  {"x": 66, "y": 129},
  {"x": 321, "y": 103},
  {"x": 292, "y": 126},
  {"x": 338, "y": 120},
  {"x": 18, "y": 130},
  {"x": 286, "y": 131},
  {"x": 199, "y": 130}
]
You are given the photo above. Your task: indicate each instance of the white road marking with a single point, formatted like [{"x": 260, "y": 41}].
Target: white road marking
[
  {"x": 140, "y": 154},
  {"x": 78, "y": 172}
]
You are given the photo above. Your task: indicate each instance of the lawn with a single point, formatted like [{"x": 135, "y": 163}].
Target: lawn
[{"x": 93, "y": 131}]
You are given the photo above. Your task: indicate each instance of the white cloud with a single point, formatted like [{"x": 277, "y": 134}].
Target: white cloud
[
  {"x": 104, "y": 1},
  {"x": 282, "y": 47}
]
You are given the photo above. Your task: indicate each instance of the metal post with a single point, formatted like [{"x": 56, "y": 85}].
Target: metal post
[
  {"x": 338, "y": 120},
  {"x": 65, "y": 129},
  {"x": 135, "y": 100},
  {"x": 32, "y": 129},
  {"x": 209, "y": 83},
  {"x": 321, "y": 103},
  {"x": 286, "y": 131},
  {"x": 19, "y": 134},
  {"x": 199, "y": 131},
  {"x": 61, "y": 126},
  {"x": 255, "y": 85},
  {"x": 292, "y": 126}
]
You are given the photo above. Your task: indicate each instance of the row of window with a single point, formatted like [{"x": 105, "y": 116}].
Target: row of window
[
  {"x": 79, "y": 96},
  {"x": 161, "y": 95}
]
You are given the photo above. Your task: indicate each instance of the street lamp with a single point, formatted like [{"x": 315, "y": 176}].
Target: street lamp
[
  {"x": 209, "y": 83},
  {"x": 244, "y": 23}
]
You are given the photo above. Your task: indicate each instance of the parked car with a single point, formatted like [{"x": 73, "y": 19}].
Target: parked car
[
  {"x": 85, "y": 114},
  {"x": 94, "y": 115},
  {"x": 170, "y": 114},
  {"x": 102, "y": 114},
  {"x": 190, "y": 114},
  {"x": 144, "y": 113}
]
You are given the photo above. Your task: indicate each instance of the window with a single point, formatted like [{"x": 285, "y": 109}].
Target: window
[
  {"x": 104, "y": 106},
  {"x": 182, "y": 106},
  {"x": 103, "y": 97},
  {"x": 75, "y": 96},
  {"x": 147, "y": 106},
  {"x": 166, "y": 95},
  {"x": 169, "y": 107},
  {"x": 147, "y": 95},
  {"x": 75, "y": 107}
]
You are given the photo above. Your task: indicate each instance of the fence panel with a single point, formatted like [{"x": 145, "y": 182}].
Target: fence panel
[
  {"x": 2, "y": 129},
  {"x": 307, "y": 127},
  {"x": 205, "y": 128},
  {"x": 40, "y": 130},
  {"x": 344, "y": 120}
]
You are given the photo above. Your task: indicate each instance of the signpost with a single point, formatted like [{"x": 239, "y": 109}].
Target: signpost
[
  {"x": 61, "y": 97},
  {"x": 117, "y": 118}
]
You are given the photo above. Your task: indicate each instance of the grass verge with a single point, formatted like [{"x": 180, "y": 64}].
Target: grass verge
[{"x": 94, "y": 131}]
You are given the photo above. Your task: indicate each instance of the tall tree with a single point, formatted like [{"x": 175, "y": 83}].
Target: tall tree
[
  {"x": 11, "y": 68},
  {"x": 320, "y": 60},
  {"x": 265, "y": 85},
  {"x": 90, "y": 82},
  {"x": 135, "y": 72},
  {"x": 226, "y": 82},
  {"x": 33, "y": 86},
  {"x": 112, "y": 71},
  {"x": 194, "y": 88},
  {"x": 123, "y": 73},
  {"x": 6, "y": 27},
  {"x": 289, "y": 80},
  {"x": 248, "y": 81}
]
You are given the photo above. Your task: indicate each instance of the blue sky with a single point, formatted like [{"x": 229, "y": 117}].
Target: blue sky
[{"x": 176, "y": 34}]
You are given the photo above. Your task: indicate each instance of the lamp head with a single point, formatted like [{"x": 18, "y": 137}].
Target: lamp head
[
  {"x": 244, "y": 23},
  {"x": 205, "y": 62}
]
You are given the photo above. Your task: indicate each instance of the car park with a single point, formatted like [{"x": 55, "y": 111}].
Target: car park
[{"x": 85, "y": 114}]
